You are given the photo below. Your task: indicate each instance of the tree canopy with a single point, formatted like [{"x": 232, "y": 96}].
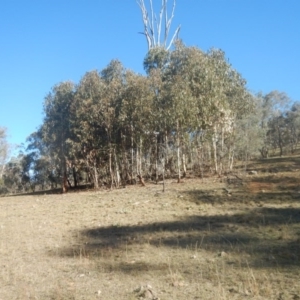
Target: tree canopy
[{"x": 191, "y": 111}]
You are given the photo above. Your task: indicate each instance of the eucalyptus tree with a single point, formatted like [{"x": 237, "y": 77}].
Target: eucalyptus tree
[
  {"x": 278, "y": 132},
  {"x": 17, "y": 176},
  {"x": 96, "y": 109},
  {"x": 293, "y": 125},
  {"x": 156, "y": 59},
  {"x": 272, "y": 105},
  {"x": 114, "y": 79},
  {"x": 159, "y": 41},
  {"x": 247, "y": 137},
  {"x": 229, "y": 100},
  {"x": 56, "y": 128},
  {"x": 203, "y": 93},
  {"x": 178, "y": 104},
  {"x": 88, "y": 124},
  {"x": 45, "y": 166},
  {"x": 12, "y": 178},
  {"x": 4, "y": 151},
  {"x": 28, "y": 176},
  {"x": 136, "y": 121}
]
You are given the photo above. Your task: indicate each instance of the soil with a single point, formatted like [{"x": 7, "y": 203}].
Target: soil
[{"x": 236, "y": 237}]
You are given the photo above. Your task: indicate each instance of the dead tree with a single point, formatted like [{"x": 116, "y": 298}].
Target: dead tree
[{"x": 153, "y": 26}]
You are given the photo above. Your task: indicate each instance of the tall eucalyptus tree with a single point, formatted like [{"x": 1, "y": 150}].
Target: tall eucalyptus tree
[
  {"x": 137, "y": 119},
  {"x": 88, "y": 124},
  {"x": 272, "y": 105},
  {"x": 56, "y": 129},
  {"x": 4, "y": 150},
  {"x": 114, "y": 78}
]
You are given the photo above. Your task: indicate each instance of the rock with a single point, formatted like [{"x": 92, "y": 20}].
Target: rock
[
  {"x": 145, "y": 292},
  {"x": 222, "y": 254},
  {"x": 252, "y": 173}
]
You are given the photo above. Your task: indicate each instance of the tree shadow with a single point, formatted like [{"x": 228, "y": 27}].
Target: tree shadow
[
  {"x": 276, "y": 164},
  {"x": 278, "y": 180},
  {"x": 271, "y": 236},
  {"x": 259, "y": 193},
  {"x": 54, "y": 191}
]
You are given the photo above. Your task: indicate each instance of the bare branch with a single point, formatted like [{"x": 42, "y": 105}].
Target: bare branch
[
  {"x": 153, "y": 26},
  {"x": 175, "y": 36},
  {"x": 168, "y": 22},
  {"x": 160, "y": 20},
  {"x": 142, "y": 6}
]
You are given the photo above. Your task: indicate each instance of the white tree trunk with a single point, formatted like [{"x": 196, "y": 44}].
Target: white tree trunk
[
  {"x": 178, "y": 153},
  {"x": 153, "y": 25},
  {"x": 214, "y": 144}
]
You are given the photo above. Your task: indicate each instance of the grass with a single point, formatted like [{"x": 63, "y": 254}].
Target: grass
[{"x": 198, "y": 240}]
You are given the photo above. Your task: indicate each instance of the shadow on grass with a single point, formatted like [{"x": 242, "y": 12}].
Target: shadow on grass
[
  {"x": 271, "y": 236},
  {"x": 52, "y": 191},
  {"x": 276, "y": 164},
  {"x": 133, "y": 268},
  {"x": 292, "y": 182},
  {"x": 258, "y": 193}
]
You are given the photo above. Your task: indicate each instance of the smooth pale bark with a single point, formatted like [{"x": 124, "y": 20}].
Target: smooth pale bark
[
  {"x": 64, "y": 176},
  {"x": 96, "y": 181},
  {"x": 132, "y": 159},
  {"x": 178, "y": 153},
  {"x": 231, "y": 159},
  {"x": 184, "y": 164},
  {"x": 110, "y": 168},
  {"x": 154, "y": 26},
  {"x": 156, "y": 160},
  {"x": 118, "y": 179},
  {"x": 75, "y": 177},
  {"x": 214, "y": 144}
]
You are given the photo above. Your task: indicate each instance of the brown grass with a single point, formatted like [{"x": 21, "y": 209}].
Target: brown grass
[{"x": 195, "y": 241}]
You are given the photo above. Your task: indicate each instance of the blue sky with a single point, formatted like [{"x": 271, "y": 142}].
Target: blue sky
[{"x": 44, "y": 42}]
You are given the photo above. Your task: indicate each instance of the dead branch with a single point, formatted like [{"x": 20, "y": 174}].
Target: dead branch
[{"x": 153, "y": 26}]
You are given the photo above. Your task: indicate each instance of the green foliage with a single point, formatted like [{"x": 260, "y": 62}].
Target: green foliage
[
  {"x": 156, "y": 58},
  {"x": 192, "y": 106}
]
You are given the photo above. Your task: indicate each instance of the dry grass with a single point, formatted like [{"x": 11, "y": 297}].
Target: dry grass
[{"x": 195, "y": 241}]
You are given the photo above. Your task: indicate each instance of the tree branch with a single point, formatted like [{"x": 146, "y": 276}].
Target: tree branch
[{"x": 153, "y": 26}]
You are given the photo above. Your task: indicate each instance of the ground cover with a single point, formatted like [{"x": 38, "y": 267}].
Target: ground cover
[{"x": 236, "y": 237}]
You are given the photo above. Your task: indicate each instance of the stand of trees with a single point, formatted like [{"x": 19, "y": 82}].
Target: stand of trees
[{"x": 191, "y": 112}]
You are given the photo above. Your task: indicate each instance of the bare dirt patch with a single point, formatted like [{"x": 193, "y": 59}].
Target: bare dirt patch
[{"x": 198, "y": 240}]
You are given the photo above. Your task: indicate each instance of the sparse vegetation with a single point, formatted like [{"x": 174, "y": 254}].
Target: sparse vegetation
[
  {"x": 205, "y": 220},
  {"x": 201, "y": 239}
]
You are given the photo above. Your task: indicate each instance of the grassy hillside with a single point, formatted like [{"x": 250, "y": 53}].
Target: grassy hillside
[{"x": 236, "y": 237}]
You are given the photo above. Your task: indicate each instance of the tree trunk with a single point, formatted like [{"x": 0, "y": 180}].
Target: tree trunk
[
  {"x": 184, "y": 165},
  {"x": 178, "y": 153},
  {"x": 164, "y": 161},
  {"x": 75, "y": 177},
  {"x": 137, "y": 160},
  {"x": 64, "y": 184},
  {"x": 64, "y": 177},
  {"x": 124, "y": 167},
  {"x": 214, "y": 143},
  {"x": 117, "y": 169},
  {"x": 110, "y": 168},
  {"x": 156, "y": 160},
  {"x": 132, "y": 158},
  {"x": 230, "y": 158},
  {"x": 96, "y": 181}
]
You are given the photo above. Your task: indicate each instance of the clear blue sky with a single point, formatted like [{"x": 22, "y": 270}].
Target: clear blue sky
[{"x": 44, "y": 42}]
